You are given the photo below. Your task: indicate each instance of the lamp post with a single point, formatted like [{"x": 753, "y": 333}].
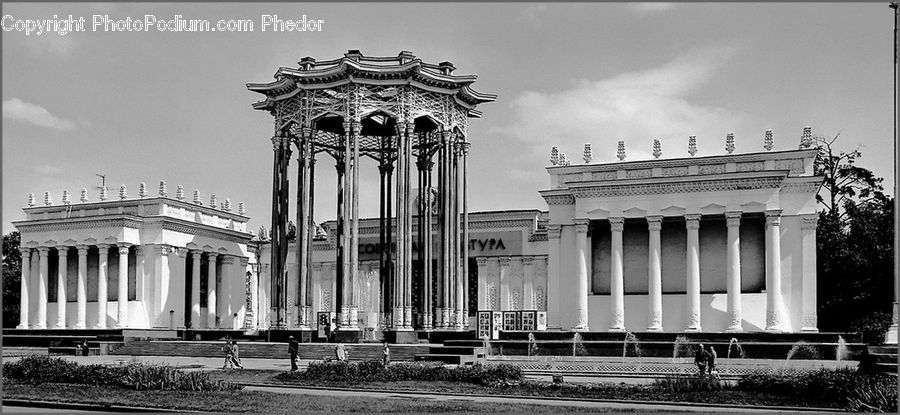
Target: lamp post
[{"x": 891, "y": 336}]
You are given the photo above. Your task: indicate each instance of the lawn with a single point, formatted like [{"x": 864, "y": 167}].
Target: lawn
[{"x": 263, "y": 402}]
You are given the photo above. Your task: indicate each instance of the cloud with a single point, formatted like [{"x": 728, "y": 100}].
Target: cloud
[
  {"x": 645, "y": 8},
  {"x": 17, "y": 110},
  {"x": 635, "y": 107}
]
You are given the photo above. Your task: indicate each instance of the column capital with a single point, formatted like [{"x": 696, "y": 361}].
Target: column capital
[
  {"x": 356, "y": 127},
  {"x": 229, "y": 259},
  {"x": 692, "y": 221},
  {"x": 43, "y": 250},
  {"x": 212, "y": 255},
  {"x": 482, "y": 261},
  {"x": 103, "y": 246},
  {"x": 179, "y": 252},
  {"x": 617, "y": 224},
  {"x": 654, "y": 223},
  {"x": 62, "y": 250},
  {"x": 25, "y": 251},
  {"x": 809, "y": 222},
  {"x": 553, "y": 231},
  {"x": 196, "y": 253},
  {"x": 504, "y": 261},
  {"x": 582, "y": 225},
  {"x": 139, "y": 250},
  {"x": 733, "y": 218},
  {"x": 123, "y": 248},
  {"x": 773, "y": 217},
  {"x": 527, "y": 260},
  {"x": 82, "y": 249}
]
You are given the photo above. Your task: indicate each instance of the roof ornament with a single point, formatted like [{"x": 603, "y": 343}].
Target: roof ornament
[
  {"x": 657, "y": 148},
  {"x": 104, "y": 193},
  {"x": 197, "y": 198},
  {"x": 47, "y": 200},
  {"x": 31, "y": 200},
  {"x": 692, "y": 145},
  {"x": 588, "y": 154},
  {"x": 179, "y": 192},
  {"x": 729, "y": 143},
  {"x": 84, "y": 196},
  {"x": 806, "y": 139},
  {"x": 554, "y": 155},
  {"x": 227, "y": 206},
  {"x": 65, "y": 197},
  {"x": 769, "y": 141},
  {"x": 241, "y": 209},
  {"x": 163, "y": 190},
  {"x": 212, "y": 201},
  {"x": 123, "y": 193},
  {"x": 142, "y": 190},
  {"x": 620, "y": 153},
  {"x": 562, "y": 159}
]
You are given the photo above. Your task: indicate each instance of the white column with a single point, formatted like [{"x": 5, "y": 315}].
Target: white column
[
  {"x": 62, "y": 273},
  {"x": 528, "y": 283},
  {"x": 262, "y": 295},
  {"x": 482, "y": 284},
  {"x": 123, "y": 287},
  {"x": 159, "y": 315},
  {"x": 616, "y": 275},
  {"x": 654, "y": 224},
  {"x": 44, "y": 253},
  {"x": 81, "y": 288},
  {"x": 226, "y": 291},
  {"x": 776, "y": 318},
  {"x": 733, "y": 270},
  {"x": 195, "y": 290},
  {"x": 553, "y": 299},
  {"x": 582, "y": 256},
  {"x": 692, "y": 223},
  {"x": 211, "y": 290},
  {"x": 23, "y": 288},
  {"x": 103, "y": 254},
  {"x": 143, "y": 293},
  {"x": 504, "y": 283},
  {"x": 808, "y": 320}
]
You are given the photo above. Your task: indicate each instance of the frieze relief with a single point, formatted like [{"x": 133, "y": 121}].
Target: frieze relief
[
  {"x": 795, "y": 166},
  {"x": 638, "y": 174},
  {"x": 604, "y": 175},
  {"x": 675, "y": 171},
  {"x": 750, "y": 166},
  {"x": 711, "y": 169}
]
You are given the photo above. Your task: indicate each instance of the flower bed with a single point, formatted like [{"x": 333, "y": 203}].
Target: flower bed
[{"x": 376, "y": 371}]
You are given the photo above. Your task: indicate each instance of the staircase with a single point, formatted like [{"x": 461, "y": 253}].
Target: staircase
[{"x": 884, "y": 358}]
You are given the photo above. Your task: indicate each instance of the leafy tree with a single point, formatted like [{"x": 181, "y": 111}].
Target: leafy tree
[
  {"x": 12, "y": 276},
  {"x": 844, "y": 180}
]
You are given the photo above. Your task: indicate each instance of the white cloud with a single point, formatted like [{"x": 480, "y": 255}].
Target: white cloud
[
  {"x": 17, "y": 110},
  {"x": 644, "y": 8},
  {"x": 635, "y": 106}
]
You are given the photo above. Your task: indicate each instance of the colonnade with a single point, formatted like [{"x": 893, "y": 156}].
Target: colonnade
[
  {"x": 502, "y": 291},
  {"x": 776, "y": 316}
]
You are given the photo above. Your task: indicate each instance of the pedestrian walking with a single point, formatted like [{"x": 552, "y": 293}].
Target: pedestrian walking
[
  {"x": 711, "y": 362},
  {"x": 229, "y": 360},
  {"x": 386, "y": 354},
  {"x": 84, "y": 348},
  {"x": 701, "y": 359},
  {"x": 235, "y": 355},
  {"x": 293, "y": 348}
]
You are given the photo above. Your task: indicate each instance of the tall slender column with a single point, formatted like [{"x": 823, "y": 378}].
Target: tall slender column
[
  {"x": 81, "y": 288},
  {"x": 24, "y": 288},
  {"x": 528, "y": 283},
  {"x": 254, "y": 299},
  {"x": 445, "y": 230},
  {"x": 354, "y": 238},
  {"x": 339, "y": 304},
  {"x": 654, "y": 224},
  {"x": 279, "y": 245},
  {"x": 225, "y": 293},
  {"x": 733, "y": 270},
  {"x": 776, "y": 317},
  {"x": 400, "y": 251},
  {"x": 211, "y": 302},
  {"x": 122, "y": 318},
  {"x": 483, "y": 300},
  {"x": 453, "y": 221},
  {"x": 311, "y": 224},
  {"x": 389, "y": 278},
  {"x": 616, "y": 276},
  {"x": 407, "y": 231},
  {"x": 102, "y": 263},
  {"x": 504, "y": 283},
  {"x": 465, "y": 235},
  {"x": 554, "y": 299},
  {"x": 458, "y": 251},
  {"x": 581, "y": 278},
  {"x": 43, "y": 270},
  {"x": 62, "y": 273},
  {"x": 692, "y": 223},
  {"x": 808, "y": 318},
  {"x": 196, "y": 322},
  {"x": 428, "y": 271},
  {"x": 303, "y": 221},
  {"x": 143, "y": 292}
]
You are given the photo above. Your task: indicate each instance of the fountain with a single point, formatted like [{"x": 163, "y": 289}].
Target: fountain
[
  {"x": 486, "y": 343},
  {"x": 681, "y": 345},
  {"x": 630, "y": 338},
  {"x": 532, "y": 345},
  {"x": 578, "y": 345},
  {"x": 841, "y": 349},
  {"x": 737, "y": 346}
]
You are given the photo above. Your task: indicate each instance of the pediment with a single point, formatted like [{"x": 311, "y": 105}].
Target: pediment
[
  {"x": 673, "y": 211},
  {"x": 753, "y": 207},
  {"x": 598, "y": 213},
  {"x": 712, "y": 209},
  {"x": 634, "y": 213}
]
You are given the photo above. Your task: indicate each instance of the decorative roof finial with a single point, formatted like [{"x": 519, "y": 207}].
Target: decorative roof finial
[
  {"x": 212, "y": 201},
  {"x": 104, "y": 193},
  {"x": 84, "y": 197},
  {"x": 31, "y": 200},
  {"x": 588, "y": 154},
  {"x": 657, "y": 148},
  {"x": 692, "y": 145},
  {"x": 729, "y": 143},
  {"x": 123, "y": 193},
  {"x": 241, "y": 209},
  {"x": 769, "y": 141},
  {"x": 806, "y": 139},
  {"x": 142, "y": 190},
  {"x": 179, "y": 192},
  {"x": 620, "y": 153},
  {"x": 562, "y": 159},
  {"x": 163, "y": 190},
  {"x": 554, "y": 155},
  {"x": 65, "y": 197},
  {"x": 47, "y": 200},
  {"x": 197, "y": 198},
  {"x": 227, "y": 206}
]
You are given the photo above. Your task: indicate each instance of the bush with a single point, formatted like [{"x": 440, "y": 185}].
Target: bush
[
  {"x": 375, "y": 371},
  {"x": 689, "y": 384},
  {"x": 37, "y": 369},
  {"x": 853, "y": 390},
  {"x": 873, "y": 327},
  {"x": 804, "y": 351}
]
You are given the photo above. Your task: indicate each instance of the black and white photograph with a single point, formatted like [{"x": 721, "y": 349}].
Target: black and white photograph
[{"x": 445, "y": 207}]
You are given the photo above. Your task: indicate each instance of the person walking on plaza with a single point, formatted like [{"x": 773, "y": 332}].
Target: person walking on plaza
[
  {"x": 711, "y": 362},
  {"x": 229, "y": 358},
  {"x": 235, "y": 357},
  {"x": 386, "y": 354},
  {"x": 701, "y": 359},
  {"x": 293, "y": 348}
]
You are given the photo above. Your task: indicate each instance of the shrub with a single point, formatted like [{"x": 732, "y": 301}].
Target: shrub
[
  {"x": 689, "y": 384},
  {"x": 873, "y": 327},
  {"x": 875, "y": 393},
  {"x": 804, "y": 351},
  {"x": 853, "y": 390},
  {"x": 374, "y": 370}
]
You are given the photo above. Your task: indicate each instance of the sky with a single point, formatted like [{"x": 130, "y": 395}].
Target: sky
[{"x": 147, "y": 106}]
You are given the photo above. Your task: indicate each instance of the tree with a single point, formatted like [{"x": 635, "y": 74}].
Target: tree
[
  {"x": 844, "y": 180},
  {"x": 12, "y": 276}
]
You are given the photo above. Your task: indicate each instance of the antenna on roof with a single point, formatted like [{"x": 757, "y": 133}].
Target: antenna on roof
[{"x": 102, "y": 179}]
